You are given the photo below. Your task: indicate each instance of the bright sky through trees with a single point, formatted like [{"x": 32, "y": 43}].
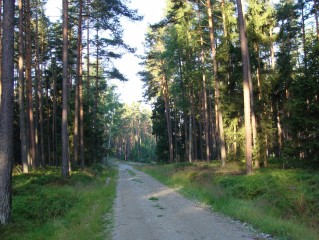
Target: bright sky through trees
[{"x": 134, "y": 34}]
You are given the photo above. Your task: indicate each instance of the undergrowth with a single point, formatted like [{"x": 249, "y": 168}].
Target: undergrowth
[
  {"x": 284, "y": 203},
  {"x": 46, "y": 206}
]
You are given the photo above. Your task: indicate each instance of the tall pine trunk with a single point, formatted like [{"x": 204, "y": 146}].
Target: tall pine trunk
[
  {"x": 23, "y": 137},
  {"x": 54, "y": 118},
  {"x": 218, "y": 112},
  {"x": 247, "y": 75},
  {"x": 0, "y": 50},
  {"x": 205, "y": 111},
  {"x": 28, "y": 62},
  {"x": 48, "y": 116},
  {"x": 96, "y": 97},
  {"x": 88, "y": 54},
  {"x": 81, "y": 124},
  {"x": 168, "y": 118},
  {"x": 36, "y": 88},
  {"x": 41, "y": 117},
  {"x": 65, "y": 135},
  {"x": 77, "y": 81},
  {"x": 6, "y": 112}
]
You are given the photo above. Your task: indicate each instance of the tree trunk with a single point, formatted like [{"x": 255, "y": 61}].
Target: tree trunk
[
  {"x": 303, "y": 37},
  {"x": 36, "y": 88},
  {"x": 219, "y": 117},
  {"x": 88, "y": 54},
  {"x": 54, "y": 118},
  {"x": 23, "y": 139},
  {"x": 65, "y": 135},
  {"x": 168, "y": 119},
  {"x": 77, "y": 81},
  {"x": 48, "y": 120},
  {"x": 272, "y": 50},
  {"x": 28, "y": 57},
  {"x": 96, "y": 96},
  {"x": 0, "y": 50},
  {"x": 204, "y": 93},
  {"x": 6, "y": 112},
  {"x": 81, "y": 135},
  {"x": 247, "y": 75},
  {"x": 190, "y": 144},
  {"x": 43, "y": 158},
  {"x": 194, "y": 127},
  {"x": 258, "y": 72}
]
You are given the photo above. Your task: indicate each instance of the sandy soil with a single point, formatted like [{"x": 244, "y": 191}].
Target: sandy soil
[{"x": 147, "y": 210}]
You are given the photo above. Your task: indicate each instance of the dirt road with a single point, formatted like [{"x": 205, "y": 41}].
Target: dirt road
[{"x": 147, "y": 210}]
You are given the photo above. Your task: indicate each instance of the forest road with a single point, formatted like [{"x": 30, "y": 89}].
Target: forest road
[{"x": 147, "y": 210}]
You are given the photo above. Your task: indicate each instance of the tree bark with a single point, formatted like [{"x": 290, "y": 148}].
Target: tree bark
[
  {"x": 88, "y": 54},
  {"x": 247, "y": 75},
  {"x": 23, "y": 137},
  {"x": 0, "y": 50},
  {"x": 48, "y": 120},
  {"x": 32, "y": 150},
  {"x": 65, "y": 135},
  {"x": 258, "y": 72},
  {"x": 54, "y": 118},
  {"x": 96, "y": 96},
  {"x": 204, "y": 93},
  {"x": 42, "y": 147},
  {"x": 303, "y": 36},
  {"x": 81, "y": 134},
  {"x": 168, "y": 118},
  {"x": 77, "y": 100},
  {"x": 6, "y": 112},
  {"x": 219, "y": 116},
  {"x": 36, "y": 88}
]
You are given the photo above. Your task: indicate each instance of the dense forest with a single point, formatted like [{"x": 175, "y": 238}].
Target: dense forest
[
  {"x": 235, "y": 82},
  {"x": 228, "y": 81}
]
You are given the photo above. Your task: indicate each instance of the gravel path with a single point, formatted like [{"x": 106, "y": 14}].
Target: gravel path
[{"x": 147, "y": 210}]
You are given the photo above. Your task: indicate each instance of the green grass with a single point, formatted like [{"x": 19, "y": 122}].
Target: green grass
[
  {"x": 45, "y": 206},
  {"x": 284, "y": 203},
  {"x": 153, "y": 198}
]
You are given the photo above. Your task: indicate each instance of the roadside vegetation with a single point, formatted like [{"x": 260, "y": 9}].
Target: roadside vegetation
[
  {"x": 47, "y": 206},
  {"x": 281, "y": 202}
]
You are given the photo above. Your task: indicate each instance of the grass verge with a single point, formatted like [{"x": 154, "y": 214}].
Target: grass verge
[
  {"x": 45, "y": 206},
  {"x": 284, "y": 203}
]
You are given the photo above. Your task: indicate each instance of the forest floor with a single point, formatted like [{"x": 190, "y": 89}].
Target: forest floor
[
  {"x": 146, "y": 209},
  {"x": 46, "y": 206},
  {"x": 280, "y": 202}
]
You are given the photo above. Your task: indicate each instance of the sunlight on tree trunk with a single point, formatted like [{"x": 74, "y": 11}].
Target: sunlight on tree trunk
[
  {"x": 65, "y": 135},
  {"x": 247, "y": 95},
  {"x": 24, "y": 160}
]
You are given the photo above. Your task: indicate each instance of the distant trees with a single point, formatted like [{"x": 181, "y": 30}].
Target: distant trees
[
  {"x": 131, "y": 137},
  {"x": 279, "y": 47}
]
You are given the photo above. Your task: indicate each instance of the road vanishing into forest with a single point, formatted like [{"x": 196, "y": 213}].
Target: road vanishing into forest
[{"x": 147, "y": 210}]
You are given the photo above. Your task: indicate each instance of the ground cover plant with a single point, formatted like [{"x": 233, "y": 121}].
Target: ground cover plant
[
  {"x": 46, "y": 206},
  {"x": 284, "y": 203}
]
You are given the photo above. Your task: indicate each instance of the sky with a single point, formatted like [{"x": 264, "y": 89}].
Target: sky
[{"x": 134, "y": 34}]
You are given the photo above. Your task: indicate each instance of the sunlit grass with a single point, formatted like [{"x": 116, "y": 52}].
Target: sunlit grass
[
  {"x": 284, "y": 203},
  {"x": 45, "y": 206}
]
